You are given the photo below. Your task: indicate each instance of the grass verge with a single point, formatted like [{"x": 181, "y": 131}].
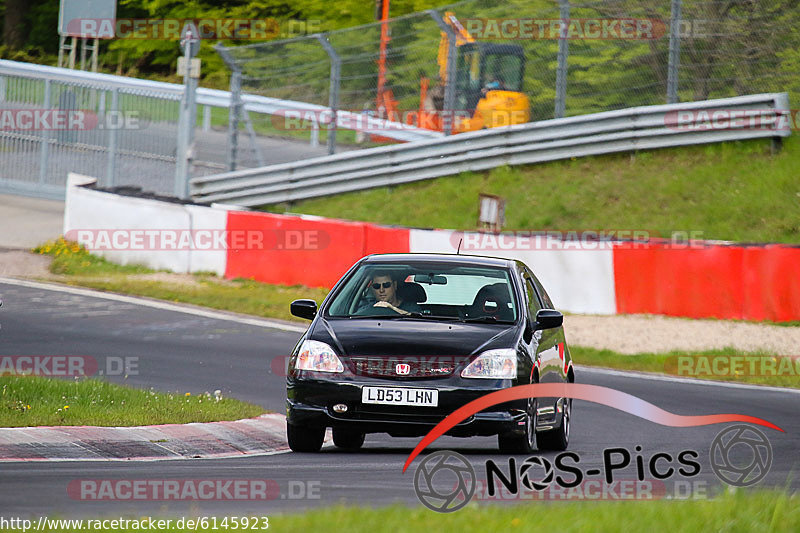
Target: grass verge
[
  {"x": 41, "y": 401},
  {"x": 746, "y": 511},
  {"x": 75, "y": 266},
  {"x": 731, "y": 365},
  {"x": 743, "y": 511},
  {"x": 733, "y": 191}
]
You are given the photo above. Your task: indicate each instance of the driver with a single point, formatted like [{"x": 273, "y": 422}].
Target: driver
[
  {"x": 494, "y": 85},
  {"x": 384, "y": 288}
]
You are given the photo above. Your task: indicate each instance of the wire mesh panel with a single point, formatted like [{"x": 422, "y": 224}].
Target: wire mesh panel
[
  {"x": 733, "y": 48},
  {"x": 122, "y": 136},
  {"x": 471, "y": 60},
  {"x": 296, "y": 69},
  {"x": 619, "y": 56},
  {"x": 579, "y": 56},
  {"x": 20, "y": 147},
  {"x": 385, "y": 65},
  {"x": 520, "y": 23}
]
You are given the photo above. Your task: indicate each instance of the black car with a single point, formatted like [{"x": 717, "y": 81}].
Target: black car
[{"x": 403, "y": 340}]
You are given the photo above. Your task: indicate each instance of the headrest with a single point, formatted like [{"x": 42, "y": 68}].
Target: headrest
[{"x": 411, "y": 292}]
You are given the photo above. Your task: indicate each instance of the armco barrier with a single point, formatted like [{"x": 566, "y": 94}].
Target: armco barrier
[
  {"x": 636, "y": 128},
  {"x": 702, "y": 280}
]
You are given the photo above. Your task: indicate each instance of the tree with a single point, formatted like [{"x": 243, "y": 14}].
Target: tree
[{"x": 14, "y": 23}]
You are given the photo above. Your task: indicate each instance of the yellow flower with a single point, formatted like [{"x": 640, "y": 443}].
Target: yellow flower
[
  {"x": 66, "y": 407},
  {"x": 188, "y": 394},
  {"x": 515, "y": 522}
]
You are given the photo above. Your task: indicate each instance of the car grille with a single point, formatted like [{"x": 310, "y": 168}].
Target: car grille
[{"x": 417, "y": 367}]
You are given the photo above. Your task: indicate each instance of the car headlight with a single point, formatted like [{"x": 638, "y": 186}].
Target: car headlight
[
  {"x": 319, "y": 357},
  {"x": 493, "y": 364}
]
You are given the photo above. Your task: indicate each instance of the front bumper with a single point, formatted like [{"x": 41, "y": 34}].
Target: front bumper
[{"x": 310, "y": 403}]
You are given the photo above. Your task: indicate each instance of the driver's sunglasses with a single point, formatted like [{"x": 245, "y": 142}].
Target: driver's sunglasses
[{"x": 386, "y": 285}]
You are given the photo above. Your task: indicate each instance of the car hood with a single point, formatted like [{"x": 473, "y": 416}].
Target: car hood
[{"x": 409, "y": 337}]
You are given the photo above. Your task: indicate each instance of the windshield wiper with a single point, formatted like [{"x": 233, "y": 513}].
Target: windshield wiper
[
  {"x": 487, "y": 320},
  {"x": 410, "y": 315}
]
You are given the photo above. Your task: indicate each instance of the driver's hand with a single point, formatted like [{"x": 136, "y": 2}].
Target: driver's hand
[{"x": 390, "y": 306}]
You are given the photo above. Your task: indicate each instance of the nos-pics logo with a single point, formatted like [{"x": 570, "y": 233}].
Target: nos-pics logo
[{"x": 445, "y": 481}]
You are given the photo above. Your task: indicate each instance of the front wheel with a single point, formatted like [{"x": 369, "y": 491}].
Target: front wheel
[
  {"x": 305, "y": 439},
  {"x": 525, "y": 442},
  {"x": 557, "y": 439}
]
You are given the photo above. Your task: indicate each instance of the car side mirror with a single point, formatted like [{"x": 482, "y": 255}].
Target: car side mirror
[
  {"x": 548, "y": 319},
  {"x": 304, "y": 309}
]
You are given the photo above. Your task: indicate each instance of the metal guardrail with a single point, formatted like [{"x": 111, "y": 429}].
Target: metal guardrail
[
  {"x": 630, "y": 129},
  {"x": 218, "y": 98}
]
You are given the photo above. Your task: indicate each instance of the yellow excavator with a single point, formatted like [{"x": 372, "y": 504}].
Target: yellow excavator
[{"x": 488, "y": 91}]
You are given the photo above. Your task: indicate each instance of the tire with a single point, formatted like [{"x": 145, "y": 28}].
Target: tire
[
  {"x": 525, "y": 442},
  {"x": 347, "y": 439},
  {"x": 557, "y": 439},
  {"x": 305, "y": 439}
]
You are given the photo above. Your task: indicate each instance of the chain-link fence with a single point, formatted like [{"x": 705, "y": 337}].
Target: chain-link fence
[
  {"x": 470, "y": 65},
  {"x": 576, "y": 57},
  {"x": 123, "y": 136}
]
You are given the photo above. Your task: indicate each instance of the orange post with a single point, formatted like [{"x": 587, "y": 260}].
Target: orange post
[{"x": 383, "y": 44}]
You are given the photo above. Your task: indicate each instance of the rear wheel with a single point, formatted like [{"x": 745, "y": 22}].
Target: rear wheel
[
  {"x": 557, "y": 439},
  {"x": 305, "y": 439},
  {"x": 347, "y": 439},
  {"x": 525, "y": 442}
]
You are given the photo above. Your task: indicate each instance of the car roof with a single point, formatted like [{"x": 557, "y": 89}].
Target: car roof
[{"x": 473, "y": 260}]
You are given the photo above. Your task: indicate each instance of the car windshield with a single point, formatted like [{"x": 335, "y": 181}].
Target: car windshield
[{"x": 442, "y": 291}]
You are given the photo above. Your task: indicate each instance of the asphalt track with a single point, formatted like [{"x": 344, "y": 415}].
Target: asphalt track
[{"x": 189, "y": 352}]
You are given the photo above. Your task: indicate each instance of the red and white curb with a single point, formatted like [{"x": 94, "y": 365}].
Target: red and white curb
[{"x": 263, "y": 435}]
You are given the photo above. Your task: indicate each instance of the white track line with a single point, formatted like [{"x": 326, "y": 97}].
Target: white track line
[
  {"x": 260, "y": 322},
  {"x": 692, "y": 381},
  {"x": 138, "y": 459}
]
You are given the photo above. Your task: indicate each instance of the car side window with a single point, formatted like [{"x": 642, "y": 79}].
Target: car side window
[
  {"x": 531, "y": 297},
  {"x": 548, "y": 303}
]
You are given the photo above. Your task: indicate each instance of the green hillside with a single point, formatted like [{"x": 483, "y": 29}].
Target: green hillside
[{"x": 735, "y": 191}]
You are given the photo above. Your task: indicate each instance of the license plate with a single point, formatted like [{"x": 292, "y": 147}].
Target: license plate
[{"x": 400, "y": 396}]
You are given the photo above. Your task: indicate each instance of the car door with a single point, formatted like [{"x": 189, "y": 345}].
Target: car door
[
  {"x": 557, "y": 336},
  {"x": 543, "y": 343}
]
